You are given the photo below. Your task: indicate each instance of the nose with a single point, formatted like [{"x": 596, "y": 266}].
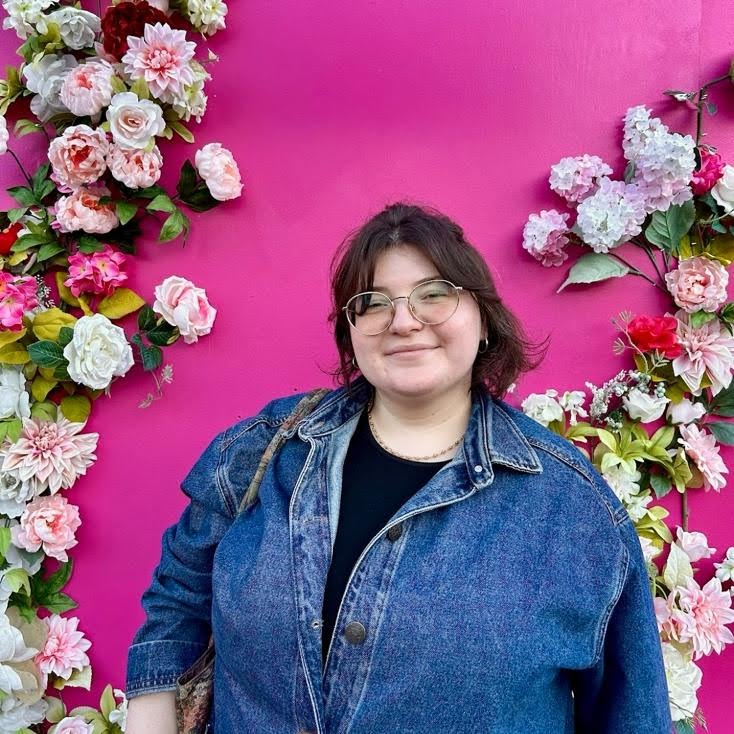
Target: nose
[{"x": 403, "y": 321}]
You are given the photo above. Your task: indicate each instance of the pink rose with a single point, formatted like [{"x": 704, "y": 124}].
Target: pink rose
[
  {"x": 78, "y": 156},
  {"x": 83, "y": 210},
  {"x": 72, "y": 725},
  {"x": 699, "y": 284},
  {"x": 48, "y": 522},
  {"x": 65, "y": 649},
  {"x": 184, "y": 305},
  {"x": 98, "y": 272},
  {"x": 704, "y": 178},
  {"x": 695, "y": 545},
  {"x": 87, "y": 88},
  {"x": 218, "y": 168},
  {"x": 137, "y": 169}
]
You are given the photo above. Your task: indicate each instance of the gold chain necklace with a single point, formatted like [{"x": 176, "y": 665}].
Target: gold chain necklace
[{"x": 377, "y": 438}]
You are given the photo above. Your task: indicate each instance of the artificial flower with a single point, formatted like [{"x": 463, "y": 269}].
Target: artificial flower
[
  {"x": 14, "y": 398},
  {"x": 137, "y": 169},
  {"x": 684, "y": 680},
  {"x": 25, "y": 17},
  {"x": 82, "y": 209},
  {"x": 575, "y": 178},
  {"x": 134, "y": 122},
  {"x": 701, "y": 446},
  {"x": 544, "y": 237},
  {"x": 184, "y": 306},
  {"x": 77, "y": 27},
  {"x": 650, "y": 333},
  {"x": 49, "y": 523},
  {"x": 572, "y": 402},
  {"x": 66, "y": 648},
  {"x": 18, "y": 294},
  {"x": 709, "y": 172},
  {"x": 45, "y": 77},
  {"x": 685, "y": 411},
  {"x": 695, "y": 545},
  {"x": 72, "y": 725},
  {"x": 78, "y": 155},
  {"x": 725, "y": 569},
  {"x": 218, "y": 168},
  {"x": 87, "y": 88},
  {"x": 642, "y": 406},
  {"x": 698, "y": 284},
  {"x": 207, "y": 16},
  {"x": 543, "y": 408},
  {"x": 703, "y": 615},
  {"x": 723, "y": 190},
  {"x": 96, "y": 272},
  {"x": 4, "y": 135},
  {"x": 624, "y": 484},
  {"x": 125, "y": 19},
  {"x": 8, "y": 236}
]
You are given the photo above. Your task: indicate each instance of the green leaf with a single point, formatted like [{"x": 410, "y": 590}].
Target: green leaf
[
  {"x": 724, "y": 432},
  {"x": 76, "y": 408},
  {"x": 666, "y": 228},
  {"x": 161, "y": 203},
  {"x": 59, "y": 603},
  {"x": 683, "y": 727},
  {"x": 592, "y": 268},
  {"x": 140, "y": 88},
  {"x": 152, "y": 357},
  {"x": 66, "y": 334},
  {"x": 78, "y": 679},
  {"x": 163, "y": 334},
  {"x": 107, "y": 703},
  {"x": 46, "y": 188},
  {"x": 173, "y": 226},
  {"x": 678, "y": 568},
  {"x": 16, "y": 214},
  {"x": 660, "y": 484},
  {"x": 125, "y": 211},
  {"x": 699, "y": 318},
  {"x": 16, "y": 579},
  {"x": 182, "y": 131},
  {"x": 150, "y": 193},
  {"x": 25, "y": 127},
  {"x": 49, "y": 250},
  {"x": 26, "y": 241},
  {"x": 187, "y": 180},
  {"x": 46, "y": 353},
  {"x": 23, "y": 195},
  {"x": 200, "y": 200},
  {"x": 89, "y": 244},
  {"x": 39, "y": 177},
  {"x": 44, "y": 411},
  {"x": 4, "y": 540},
  {"x": 58, "y": 579},
  {"x": 147, "y": 318}
]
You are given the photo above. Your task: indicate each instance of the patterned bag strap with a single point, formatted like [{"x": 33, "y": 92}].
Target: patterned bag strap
[{"x": 304, "y": 407}]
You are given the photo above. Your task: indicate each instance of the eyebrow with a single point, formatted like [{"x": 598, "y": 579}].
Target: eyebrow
[{"x": 416, "y": 283}]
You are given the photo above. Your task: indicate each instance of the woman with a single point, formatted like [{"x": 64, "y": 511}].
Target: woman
[{"x": 422, "y": 557}]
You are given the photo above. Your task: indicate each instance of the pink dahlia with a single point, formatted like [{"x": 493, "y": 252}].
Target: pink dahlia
[
  {"x": 49, "y": 523},
  {"x": 161, "y": 58},
  {"x": 703, "y": 616},
  {"x": 99, "y": 272},
  {"x": 698, "y": 284},
  {"x": 701, "y": 446},
  {"x": 50, "y": 454},
  {"x": 705, "y": 177},
  {"x": 706, "y": 349},
  {"x": 544, "y": 237},
  {"x": 65, "y": 649},
  {"x": 78, "y": 156},
  {"x": 17, "y": 295}
]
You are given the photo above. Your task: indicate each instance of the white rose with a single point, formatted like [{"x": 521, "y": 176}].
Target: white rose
[
  {"x": 77, "y": 27},
  {"x": 543, "y": 408},
  {"x": 15, "y": 715},
  {"x": 643, "y": 406},
  {"x": 685, "y": 411},
  {"x": 97, "y": 352},
  {"x": 25, "y": 17},
  {"x": 134, "y": 122},
  {"x": 14, "y": 400},
  {"x": 45, "y": 77},
  {"x": 695, "y": 545},
  {"x": 14, "y": 493},
  {"x": 4, "y": 135},
  {"x": 684, "y": 680},
  {"x": 723, "y": 190}
]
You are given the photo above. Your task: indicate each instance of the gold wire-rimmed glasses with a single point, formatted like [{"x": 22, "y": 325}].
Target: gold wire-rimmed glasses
[{"x": 431, "y": 303}]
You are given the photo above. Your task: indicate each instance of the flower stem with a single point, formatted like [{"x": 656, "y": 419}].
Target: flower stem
[
  {"x": 684, "y": 510},
  {"x": 20, "y": 165},
  {"x": 702, "y": 96},
  {"x": 635, "y": 271}
]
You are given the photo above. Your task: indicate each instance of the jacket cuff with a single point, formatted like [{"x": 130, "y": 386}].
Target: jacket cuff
[{"x": 155, "y": 665}]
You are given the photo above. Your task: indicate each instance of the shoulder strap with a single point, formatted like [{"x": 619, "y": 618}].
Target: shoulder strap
[{"x": 304, "y": 407}]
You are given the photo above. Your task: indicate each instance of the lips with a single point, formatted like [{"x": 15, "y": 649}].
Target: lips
[{"x": 410, "y": 350}]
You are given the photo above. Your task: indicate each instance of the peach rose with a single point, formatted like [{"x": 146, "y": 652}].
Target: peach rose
[
  {"x": 72, "y": 725},
  {"x": 78, "y": 156},
  {"x": 218, "y": 168},
  {"x": 87, "y": 88},
  {"x": 137, "y": 169},
  {"x": 699, "y": 284},
  {"x": 184, "y": 305},
  {"x": 48, "y": 522},
  {"x": 82, "y": 210}
]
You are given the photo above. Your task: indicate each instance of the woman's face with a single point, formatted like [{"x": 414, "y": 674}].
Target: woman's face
[{"x": 412, "y": 359}]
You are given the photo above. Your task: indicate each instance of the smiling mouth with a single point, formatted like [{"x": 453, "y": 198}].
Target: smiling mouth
[{"x": 404, "y": 352}]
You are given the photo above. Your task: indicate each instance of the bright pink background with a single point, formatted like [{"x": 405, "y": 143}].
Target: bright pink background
[{"x": 334, "y": 110}]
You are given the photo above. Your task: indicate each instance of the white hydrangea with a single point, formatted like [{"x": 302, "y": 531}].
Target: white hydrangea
[
  {"x": 543, "y": 408},
  {"x": 193, "y": 101},
  {"x": 25, "y": 17},
  {"x": 725, "y": 569},
  {"x": 611, "y": 216},
  {"x": 14, "y": 399},
  {"x": 15, "y": 715},
  {"x": 684, "y": 680},
  {"x": 45, "y": 77},
  {"x": 207, "y": 16},
  {"x": 639, "y": 127},
  {"x": 637, "y": 505},
  {"x": 574, "y": 178},
  {"x": 77, "y": 27},
  {"x": 623, "y": 483}
]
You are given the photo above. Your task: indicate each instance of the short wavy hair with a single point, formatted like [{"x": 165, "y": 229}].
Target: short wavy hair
[{"x": 442, "y": 241}]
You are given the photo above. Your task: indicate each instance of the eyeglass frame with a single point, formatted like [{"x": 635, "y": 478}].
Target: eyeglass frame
[{"x": 458, "y": 289}]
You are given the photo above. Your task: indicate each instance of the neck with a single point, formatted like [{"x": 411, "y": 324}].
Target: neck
[{"x": 416, "y": 428}]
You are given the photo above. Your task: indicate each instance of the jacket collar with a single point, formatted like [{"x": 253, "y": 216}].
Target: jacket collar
[{"x": 492, "y": 436}]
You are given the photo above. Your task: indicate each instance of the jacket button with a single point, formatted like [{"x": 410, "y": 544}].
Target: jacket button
[
  {"x": 355, "y": 633},
  {"x": 394, "y": 532}
]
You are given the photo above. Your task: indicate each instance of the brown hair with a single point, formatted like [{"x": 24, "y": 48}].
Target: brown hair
[{"x": 442, "y": 241}]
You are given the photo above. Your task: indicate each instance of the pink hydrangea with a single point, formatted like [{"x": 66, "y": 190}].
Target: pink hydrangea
[
  {"x": 699, "y": 284},
  {"x": 17, "y": 295},
  {"x": 218, "y": 168},
  {"x": 135, "y": 168},
  {"x": 709, "y": 172},
  {"x": 575, "y": 178},
  {"x": 87, "y": 88},
  {"x": 83, "y": 210},
  {"x": 544, "y": 237},
  {"x": 49, "y": 523},
  {"x": 78, "y": 156},
  {"x": 65, "y": 650},
  {"x": 161, "y": 58},
  {"x": 701, "y": 446},
  {"x": 98, "y": 272},
  {"x": 706, "y": 350},
  {"x": 703, "y": 616}
]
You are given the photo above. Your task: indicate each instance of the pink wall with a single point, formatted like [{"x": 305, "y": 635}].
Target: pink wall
[{"x": 333, "y": 110}]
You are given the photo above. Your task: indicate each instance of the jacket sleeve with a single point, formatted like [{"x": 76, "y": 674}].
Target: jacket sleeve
[
  {"x": 177, "y": 604},
  {"x": 626, "y": 690}
]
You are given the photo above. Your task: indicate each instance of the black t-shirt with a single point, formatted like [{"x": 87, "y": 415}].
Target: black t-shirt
[{"x": 375, "y": 485}]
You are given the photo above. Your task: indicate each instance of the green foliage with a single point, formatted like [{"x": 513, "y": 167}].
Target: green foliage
[
  {"x": 667, "y": 228},
  {"x": 593, "y": 268}
]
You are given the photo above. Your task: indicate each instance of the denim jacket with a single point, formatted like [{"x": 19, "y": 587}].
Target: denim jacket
[{"x": 508, "y": 596}]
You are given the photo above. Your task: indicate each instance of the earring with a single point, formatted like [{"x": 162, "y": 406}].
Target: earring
[
  {"x": 354, "y": 363},
  {"x": 483, "y": 345}
]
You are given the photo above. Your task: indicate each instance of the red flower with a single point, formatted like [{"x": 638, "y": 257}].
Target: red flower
[
  {"x": 8, "y": 237},
  {"x": 127, "y": 19},
  {"x": 648, "y": 333}
]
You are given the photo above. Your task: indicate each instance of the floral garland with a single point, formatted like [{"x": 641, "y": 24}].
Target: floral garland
[
  {"x": 103, "y": 90},
  {"x": 675, "y": 203}
]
